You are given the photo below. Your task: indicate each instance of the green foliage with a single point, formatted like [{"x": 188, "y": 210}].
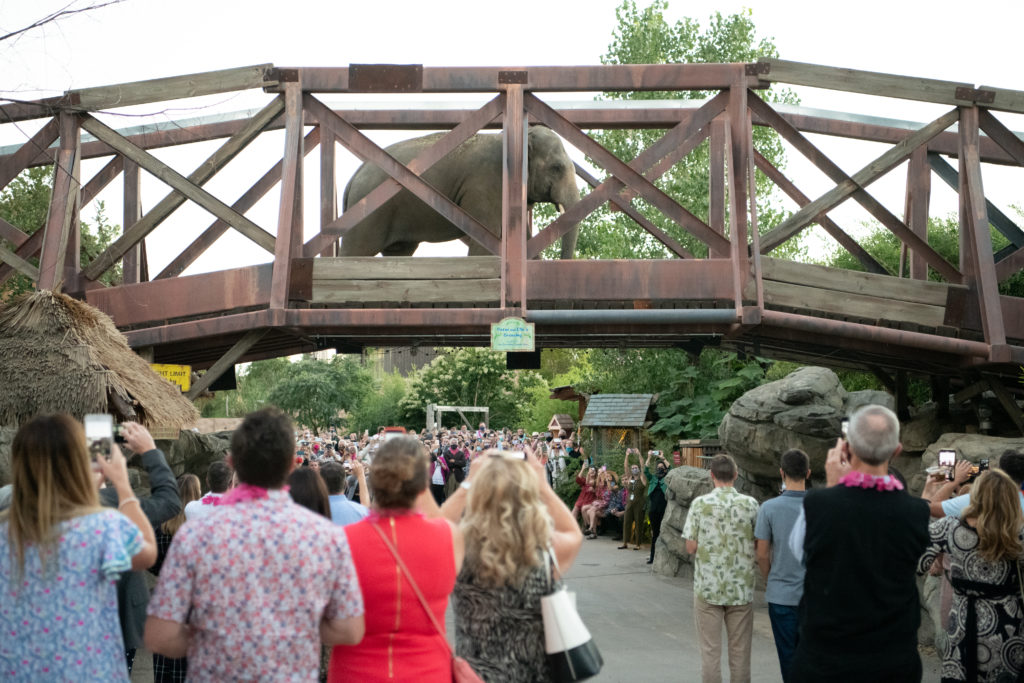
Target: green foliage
[
  {"x": 700, "y": 395},
  {"x": 943, "y": 237},
  {"x": 314, "y": 392},
  {"x": 471, "y": 377},
  {"x": 25, "y": 202},
  {"x": 645, "y": 36},
  {"x": 380, "y": 407}
]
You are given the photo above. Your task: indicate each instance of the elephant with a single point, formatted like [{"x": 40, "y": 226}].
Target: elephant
[{"x": 471, "y": 177}]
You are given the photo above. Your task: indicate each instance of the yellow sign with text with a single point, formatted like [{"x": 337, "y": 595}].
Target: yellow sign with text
[{"x": 175, "y": 374}]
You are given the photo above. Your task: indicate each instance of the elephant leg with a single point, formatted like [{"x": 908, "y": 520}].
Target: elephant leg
[
  {"x": 363, "y": 242},
  {"x": 569, "y": 243},
  {"x": 475, "y": 248},
  {"x": 400, "y": 249}
]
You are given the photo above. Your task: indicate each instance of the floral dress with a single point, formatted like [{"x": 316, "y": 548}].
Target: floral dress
[
  {"x": 986, "y": 602},
  {"x": 61, "y": 623}
]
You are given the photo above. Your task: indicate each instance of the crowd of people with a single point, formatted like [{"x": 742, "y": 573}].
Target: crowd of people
[
  {"x": 842, "y": 563},
  {"x": 358, "y": 543}
]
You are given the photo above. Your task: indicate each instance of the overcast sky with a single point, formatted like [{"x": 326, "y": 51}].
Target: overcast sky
[{"x": 976, "y": 42}]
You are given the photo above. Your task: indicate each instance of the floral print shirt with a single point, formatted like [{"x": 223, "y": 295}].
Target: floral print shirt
[
  {"x": 59, "y": 622},
  {"x": 722, "y": 524},
  {"x": 254, "y": 581}
]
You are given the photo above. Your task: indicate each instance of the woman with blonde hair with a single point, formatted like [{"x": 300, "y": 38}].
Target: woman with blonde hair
[
  {"x": 985, "y": 546},
  {"x": 168, "y": 669},
  {"x": 60, "y": 554},
  {"x": 511, "y": 520}
]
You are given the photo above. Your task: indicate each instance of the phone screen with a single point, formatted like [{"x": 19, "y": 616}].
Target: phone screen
[
  {"x": 947, "y": 458},
  {"x": 845, "y": 426},
  {"x": 99, "y": 433}
]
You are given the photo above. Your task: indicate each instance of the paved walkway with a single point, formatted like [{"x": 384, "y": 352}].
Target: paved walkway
[{"x": 642, "y": 623}]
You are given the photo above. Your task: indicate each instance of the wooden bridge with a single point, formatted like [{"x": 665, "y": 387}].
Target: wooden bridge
[{"x": 960, "y": 330}]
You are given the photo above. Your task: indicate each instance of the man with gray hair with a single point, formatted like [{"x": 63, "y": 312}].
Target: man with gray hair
[{"x": 861, "y": 539}]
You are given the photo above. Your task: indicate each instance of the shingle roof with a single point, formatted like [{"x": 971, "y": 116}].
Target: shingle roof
[{"x": 617, "y": 410}]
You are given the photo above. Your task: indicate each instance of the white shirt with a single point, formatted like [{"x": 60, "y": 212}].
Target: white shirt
[{"x": 197, "y": 508}]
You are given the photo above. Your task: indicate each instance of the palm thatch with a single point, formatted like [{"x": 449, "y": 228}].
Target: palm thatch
[{"x": 58, "y": 354}]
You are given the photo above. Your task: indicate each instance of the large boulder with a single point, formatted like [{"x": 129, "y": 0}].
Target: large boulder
[
  {"x": 803, "y": 410},
  {"x": 684, "y": 484}
]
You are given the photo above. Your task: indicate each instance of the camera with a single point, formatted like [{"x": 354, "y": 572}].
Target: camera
[{"x": 977, "y": 469}]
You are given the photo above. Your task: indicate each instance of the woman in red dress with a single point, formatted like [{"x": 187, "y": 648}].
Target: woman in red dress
[{"x": 401, "y": 643}]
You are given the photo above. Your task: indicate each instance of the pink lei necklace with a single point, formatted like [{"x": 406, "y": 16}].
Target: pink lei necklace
[{"x": 855, "y": 479}]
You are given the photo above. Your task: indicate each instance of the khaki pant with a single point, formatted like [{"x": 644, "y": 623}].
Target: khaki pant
[{"x": 739, "y": 629}]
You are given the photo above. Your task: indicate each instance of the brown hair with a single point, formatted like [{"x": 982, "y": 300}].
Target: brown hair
[
  {"x": 188, "y": 490},
  {"x": 399, "y": 473},
  {"x": 52, "y": 481},
  {"x": 723, "y": 468},
  {"x": 994, "y": 504},
  {"x": 262, "y": 448}
]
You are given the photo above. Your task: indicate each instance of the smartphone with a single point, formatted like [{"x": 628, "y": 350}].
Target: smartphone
[
  {"x": 845, "y": 426},
  {"x": 99, "y": 434},
  {"x": 947, "y": 460}
]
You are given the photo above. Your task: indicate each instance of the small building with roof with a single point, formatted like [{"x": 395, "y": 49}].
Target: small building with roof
[{"x": 619, "y": 421}]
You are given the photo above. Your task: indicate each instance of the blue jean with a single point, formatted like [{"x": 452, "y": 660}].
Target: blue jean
[{"x": 784, "y": 627}]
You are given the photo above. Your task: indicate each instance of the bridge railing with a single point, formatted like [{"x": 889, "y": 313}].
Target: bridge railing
[{"x": 298, "y": 291}]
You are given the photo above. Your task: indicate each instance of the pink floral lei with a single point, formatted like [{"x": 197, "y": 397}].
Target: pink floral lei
[
  {"x": 243, "y": 492},
  {"x": 861, "y": 480}
]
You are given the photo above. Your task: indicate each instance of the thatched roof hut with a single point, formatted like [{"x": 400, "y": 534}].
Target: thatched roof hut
[{"x": 58, "y": 354}]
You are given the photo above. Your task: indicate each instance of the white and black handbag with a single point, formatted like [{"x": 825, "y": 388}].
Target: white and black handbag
[{"x": 571, "y": 652}]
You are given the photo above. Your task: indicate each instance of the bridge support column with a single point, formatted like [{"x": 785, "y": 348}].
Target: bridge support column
[{"x": 289, "y": 217}]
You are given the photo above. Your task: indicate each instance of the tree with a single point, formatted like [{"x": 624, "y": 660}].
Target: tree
[
  {"x": 25, "y": 202},
  {"x": 381, "y": 407},
  {"x": 471, "y": 377},
  {"x": 644, "y": 36},
  {"x": 314, "y": 392}
]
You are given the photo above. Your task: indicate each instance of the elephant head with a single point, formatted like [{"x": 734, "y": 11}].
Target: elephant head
[{"x": 552, "y": 178}]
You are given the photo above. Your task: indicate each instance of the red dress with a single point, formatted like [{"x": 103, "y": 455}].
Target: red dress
[{"x": 400, "y": 643}]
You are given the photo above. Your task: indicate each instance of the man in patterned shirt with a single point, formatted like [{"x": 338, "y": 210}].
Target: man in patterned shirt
[
  {"x": 249, "y": 593},
  {"x": 720, "y": 530}
]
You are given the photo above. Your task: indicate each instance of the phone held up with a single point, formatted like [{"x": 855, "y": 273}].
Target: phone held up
[
  {"x": 947, "y": 461},
  {"x": 99, "y": 434}
]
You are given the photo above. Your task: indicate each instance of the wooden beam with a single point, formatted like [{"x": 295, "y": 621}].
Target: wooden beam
[
  {"x": 426, "y": 291},
  {"x": 12, "y": 234},
  {"x": 406, "y": 268},
  {"x": 999, "y": 220},
  {"x": 916, "y": 210},
  {"x": 209, "y": 236},
  {"x": 17, "y": 162},
  {"x": 1003, "y": 136},
  {"x": 972, "y": 197},
  {"x": 419, "y": 164},
  {"x": 626, "y": 173},
  {"x": 16, "y": 263},
  {"x": 289, "y": 215},
  {"x": 173, "y": 88},
  {"x": 827, "y": 224},
  {"x": 226, "y": 361},
  {"x": 1008, "y": 403},
  {"x": 884, "y": 85},
  {"x": 131, "y": 270},
  {"x": 716, "y": 189},
  {"x": 855, "y": 183},
  {"x": 1010, "y": 265},
  {"x": 514, "y": 216},
  {"x": 366, "y": 150},
  {"x": 628, "y": 77},
  {"x": 63, "y": 202},
  {"x": 328, "y": 191},
  {"x": 738, "y": 140},
  {"x": 177, "y": 181},
  {"x": 674, "y": 145}
]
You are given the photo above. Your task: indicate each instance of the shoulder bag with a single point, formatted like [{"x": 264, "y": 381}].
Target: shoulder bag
[
  {"x": 571, "y": 652},
  {"x": 462, "y": 672}
]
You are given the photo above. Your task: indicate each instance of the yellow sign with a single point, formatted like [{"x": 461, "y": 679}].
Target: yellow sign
[{"x": 175, "y": 374}]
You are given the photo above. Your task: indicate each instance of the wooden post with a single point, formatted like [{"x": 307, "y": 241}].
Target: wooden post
[
  {"x": 513, "y": 215},
  {"x": 739, "y": 143},
  {"x": 974, "y": 231},
  {"x": 289, "y": 217},
  {"x": 62, "y": 206},
  {"x": 132, "y": 261},
  {"x": 328, "y": 189},
  {"x": 916, "y": 210},
  {"x": 716, "y": 190},
  {"x": 224, "y": 362}
]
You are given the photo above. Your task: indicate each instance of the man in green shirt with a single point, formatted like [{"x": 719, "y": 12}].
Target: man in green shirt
[{"x": 720, "y": 530}]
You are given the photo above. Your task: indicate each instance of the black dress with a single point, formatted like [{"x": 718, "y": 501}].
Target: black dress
[{"x": 986, "y": 596}]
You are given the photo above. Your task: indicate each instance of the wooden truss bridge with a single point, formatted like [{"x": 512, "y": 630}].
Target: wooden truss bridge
[{"x": 961, "y": 331}]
